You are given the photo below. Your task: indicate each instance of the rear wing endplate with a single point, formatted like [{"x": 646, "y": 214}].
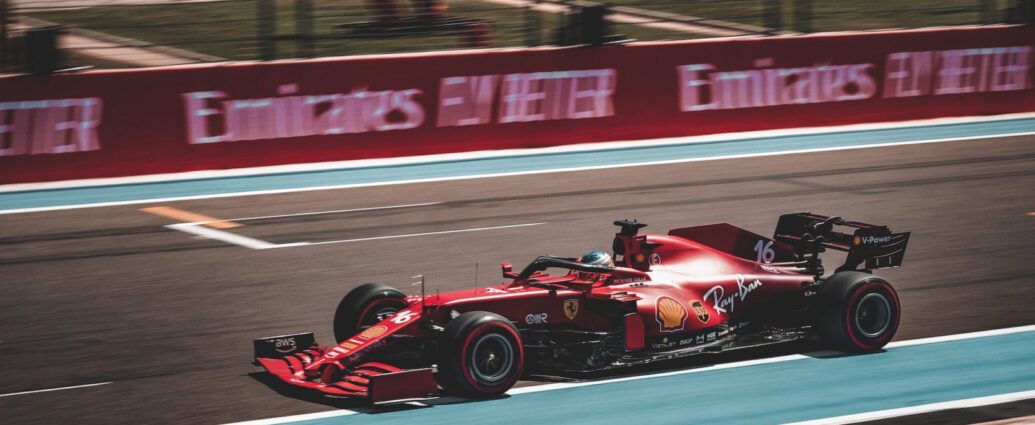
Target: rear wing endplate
[{"x": 874, "y": 245}]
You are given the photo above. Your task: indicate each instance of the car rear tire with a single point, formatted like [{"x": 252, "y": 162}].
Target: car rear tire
[
  {"x": 857, "y": 312},
  {"x": 480, "y": 355},
  {"x": 364, "y": 306}
]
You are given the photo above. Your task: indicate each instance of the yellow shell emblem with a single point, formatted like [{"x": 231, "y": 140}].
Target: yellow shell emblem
[
  {"x": 671, "y": 314},
  {"x": 374, "y": 332}
]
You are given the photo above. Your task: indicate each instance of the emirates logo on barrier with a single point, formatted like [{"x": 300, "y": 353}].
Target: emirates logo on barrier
[
  {"x": 292, "y": 115},
  {"x": 214, "y": 116},
  {"x": 705, "y": 87},
  {"x": 340, "y": 109}
]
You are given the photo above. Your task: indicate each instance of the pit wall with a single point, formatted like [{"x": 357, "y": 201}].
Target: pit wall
[{"x": 163, "y": 120}]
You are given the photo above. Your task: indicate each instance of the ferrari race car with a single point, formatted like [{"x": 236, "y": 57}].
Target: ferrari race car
[{"x": 704, "y": 289}]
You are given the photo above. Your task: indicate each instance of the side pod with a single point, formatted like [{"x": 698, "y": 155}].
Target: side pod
[{"x": 635, "y": 332}]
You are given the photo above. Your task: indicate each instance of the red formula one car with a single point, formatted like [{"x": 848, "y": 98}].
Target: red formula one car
[{"x": 704, "y": 289}]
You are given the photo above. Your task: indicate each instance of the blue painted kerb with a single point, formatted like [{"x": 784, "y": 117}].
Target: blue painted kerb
[{"x": 508, "y": 164}]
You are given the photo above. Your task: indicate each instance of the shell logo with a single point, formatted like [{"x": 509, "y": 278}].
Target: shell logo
[
  {"x": 671, "y": 314},
  {"x": 374, "y": 332}
]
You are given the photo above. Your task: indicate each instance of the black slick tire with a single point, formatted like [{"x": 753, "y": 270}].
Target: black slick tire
[
  {"x": 363, "y": 306},
  {"x": 857, "y": 312},
  {"x": 479, "y": 355}
]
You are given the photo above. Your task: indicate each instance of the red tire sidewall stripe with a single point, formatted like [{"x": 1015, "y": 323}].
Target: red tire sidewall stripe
[
  {"x": 850, "y": 309},
  {"x": 464, "y": 349},
  {"x": 370, "y": 306}
]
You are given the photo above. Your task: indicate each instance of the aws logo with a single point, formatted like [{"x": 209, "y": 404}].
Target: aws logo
[{"x": 285, "y": 345}]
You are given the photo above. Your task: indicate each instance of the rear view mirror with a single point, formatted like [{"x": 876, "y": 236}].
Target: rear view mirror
[{"x": 508, "y": 270}]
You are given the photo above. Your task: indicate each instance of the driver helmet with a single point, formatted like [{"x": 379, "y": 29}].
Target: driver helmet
[{"x": 595, "y": 258}]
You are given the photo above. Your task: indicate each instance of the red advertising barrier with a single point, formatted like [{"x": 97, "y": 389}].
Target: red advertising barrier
[{"x": 119, "y": 123}]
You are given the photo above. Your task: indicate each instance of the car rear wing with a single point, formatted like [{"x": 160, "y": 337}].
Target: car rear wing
[{"x": 810, "y": 234}]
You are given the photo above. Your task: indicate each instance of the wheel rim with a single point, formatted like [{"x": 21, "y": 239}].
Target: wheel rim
[
  {"x": 492, "y": 358},
  {"x": 873, "y": 315},
  {"x": 376, "y": 315}
]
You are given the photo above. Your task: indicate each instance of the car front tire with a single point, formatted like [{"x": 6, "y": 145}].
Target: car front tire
[
  {"x": 480, "y": 355},
  {"x": 364, "y": 306}
]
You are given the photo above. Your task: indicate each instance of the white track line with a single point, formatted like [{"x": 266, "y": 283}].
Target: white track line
[
  {"x": 199, "y": 229},
  {"x": 298, "y": 418},
  {"x": 923, "y": 408},
  {"x": 443, "y": 232},
  {"x": 219, "y": 235},
  {"x": 957, "y": 337},
  {"x": 389, "y": 207},
  {"x": 564, "y": 385},
  {"x": 55, "y": 389}
]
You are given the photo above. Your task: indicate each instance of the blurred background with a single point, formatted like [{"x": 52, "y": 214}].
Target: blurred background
[{"x": 141, "y": 33}]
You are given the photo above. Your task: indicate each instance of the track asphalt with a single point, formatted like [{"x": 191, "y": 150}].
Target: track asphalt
[{"x": 110, "y": 294}]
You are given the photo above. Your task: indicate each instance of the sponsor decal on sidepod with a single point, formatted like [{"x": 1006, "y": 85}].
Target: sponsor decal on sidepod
[
  {"x": 670, "y": 314},
  {"x": 720, "y": 302}
]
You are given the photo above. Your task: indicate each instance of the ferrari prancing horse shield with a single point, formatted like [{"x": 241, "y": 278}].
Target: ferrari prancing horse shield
[
  {"x": 702, "y": 314},
  {"x": 571, "y": 308}
]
